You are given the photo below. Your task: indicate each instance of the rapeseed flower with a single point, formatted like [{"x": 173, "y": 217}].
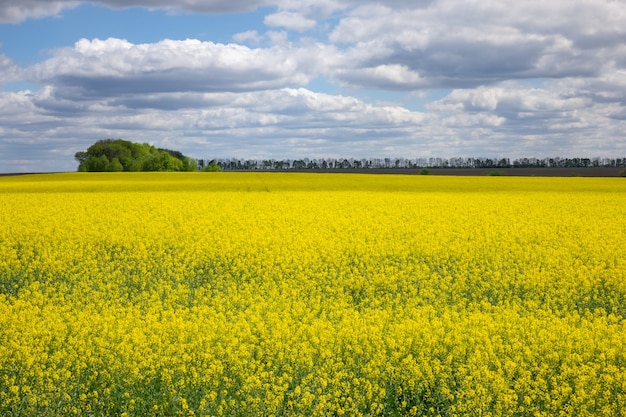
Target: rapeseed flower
[{"x": 194, "y": 294}]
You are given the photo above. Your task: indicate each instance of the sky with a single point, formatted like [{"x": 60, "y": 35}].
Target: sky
[{"x": 280, "y": 79}]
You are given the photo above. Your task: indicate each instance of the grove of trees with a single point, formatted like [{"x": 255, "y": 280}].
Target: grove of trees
[{"x": 116, "y": 155}]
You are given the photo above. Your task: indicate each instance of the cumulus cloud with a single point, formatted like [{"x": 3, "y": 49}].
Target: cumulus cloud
[
  {"x": 10, "y": 70},
  {"x": 507, "y": 97},
  {"x": 257, "y": 123},
  {"x": 248, "y": 36},
  {"x": 549, "y": 118},
  {"x": 117, "y": 67},
  {"x": 386, "y": 76},
  {"x": 471, "y": 43},
  {"x": 290, "y": 20},
  {"x": 14, "y": 12},
  {"x": 17, "y": 11}
]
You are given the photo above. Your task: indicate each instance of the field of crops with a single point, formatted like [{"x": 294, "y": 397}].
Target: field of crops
[{"x": 260, "y": 294}]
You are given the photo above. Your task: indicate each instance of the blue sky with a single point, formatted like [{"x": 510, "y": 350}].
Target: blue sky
[
  {"x": 324, "y": 78},
  {"x": 28, "y": 41}
]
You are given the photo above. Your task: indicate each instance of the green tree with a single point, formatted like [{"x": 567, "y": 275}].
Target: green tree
[
  {"x": 212, "y": 167},
  {"x": 81, "y": 157},
  {"x": 97, "y": 163},
  {"x": 115, "y": 166},
  {"x": 172, "y": 163},
  {"x": 189, "y": 165}
]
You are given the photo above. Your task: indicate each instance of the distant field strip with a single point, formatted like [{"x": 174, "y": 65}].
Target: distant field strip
[{"x": 262, "y": 294}]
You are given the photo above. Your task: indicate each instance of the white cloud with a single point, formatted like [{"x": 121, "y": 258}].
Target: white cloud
[
  {"x": 465, "y": 120},
  {"x": 17, "y": 11},
  {"x": 508, "y": 119},
  {"x": 392, "y": 76},
  {"x": 12, "y": 11},
  {"x": 16, "y": 108},
  {"x": 249, "y": 36},
  {"x": 113, "y": 67},
  {"x": 509, "y": 97},
  {"x": 289, "y": 20},
  {"x": 558, "y": 119},
  {"x": 225, "y": 124},
  {"x": 471, "y": 43},
  {"x": 9, "y": 70}
]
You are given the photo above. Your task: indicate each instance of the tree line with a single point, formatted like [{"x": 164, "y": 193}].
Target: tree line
[
  {"x": 411, "y": 163},
  {"x": 116, "y": 155}
]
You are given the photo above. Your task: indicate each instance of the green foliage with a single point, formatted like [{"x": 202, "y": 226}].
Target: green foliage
[
  {"x": 622, "y": 173},
  {"x": 189, "y": 164},
  {"x": 212, "y": 167},
  {"x": 117, "y": 155},
  {"x": 96, "y": 163},
  {"x": 425, "y": 171},
  {"x": 496, "y": 173},
  {"x": 115, "y": 166}
]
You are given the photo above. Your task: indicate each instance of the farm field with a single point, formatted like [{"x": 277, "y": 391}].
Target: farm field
[{"x": 254, "y": 294}]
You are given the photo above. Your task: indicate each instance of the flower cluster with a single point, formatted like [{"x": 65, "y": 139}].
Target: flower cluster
[{"x": 245, "y": 294}]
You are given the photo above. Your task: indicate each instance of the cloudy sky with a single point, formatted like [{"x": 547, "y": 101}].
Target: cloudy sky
[{"x": 312, "y": 78}]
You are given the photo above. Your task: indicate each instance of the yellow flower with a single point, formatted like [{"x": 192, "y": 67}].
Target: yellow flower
[{"x": 189, "y": 294}]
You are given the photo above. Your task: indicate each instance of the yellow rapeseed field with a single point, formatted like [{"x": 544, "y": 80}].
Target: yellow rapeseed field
[{"x": 256, "y": 294}]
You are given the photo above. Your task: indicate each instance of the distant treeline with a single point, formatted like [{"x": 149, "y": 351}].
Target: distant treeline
[{"x": 383, "y": 163}]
